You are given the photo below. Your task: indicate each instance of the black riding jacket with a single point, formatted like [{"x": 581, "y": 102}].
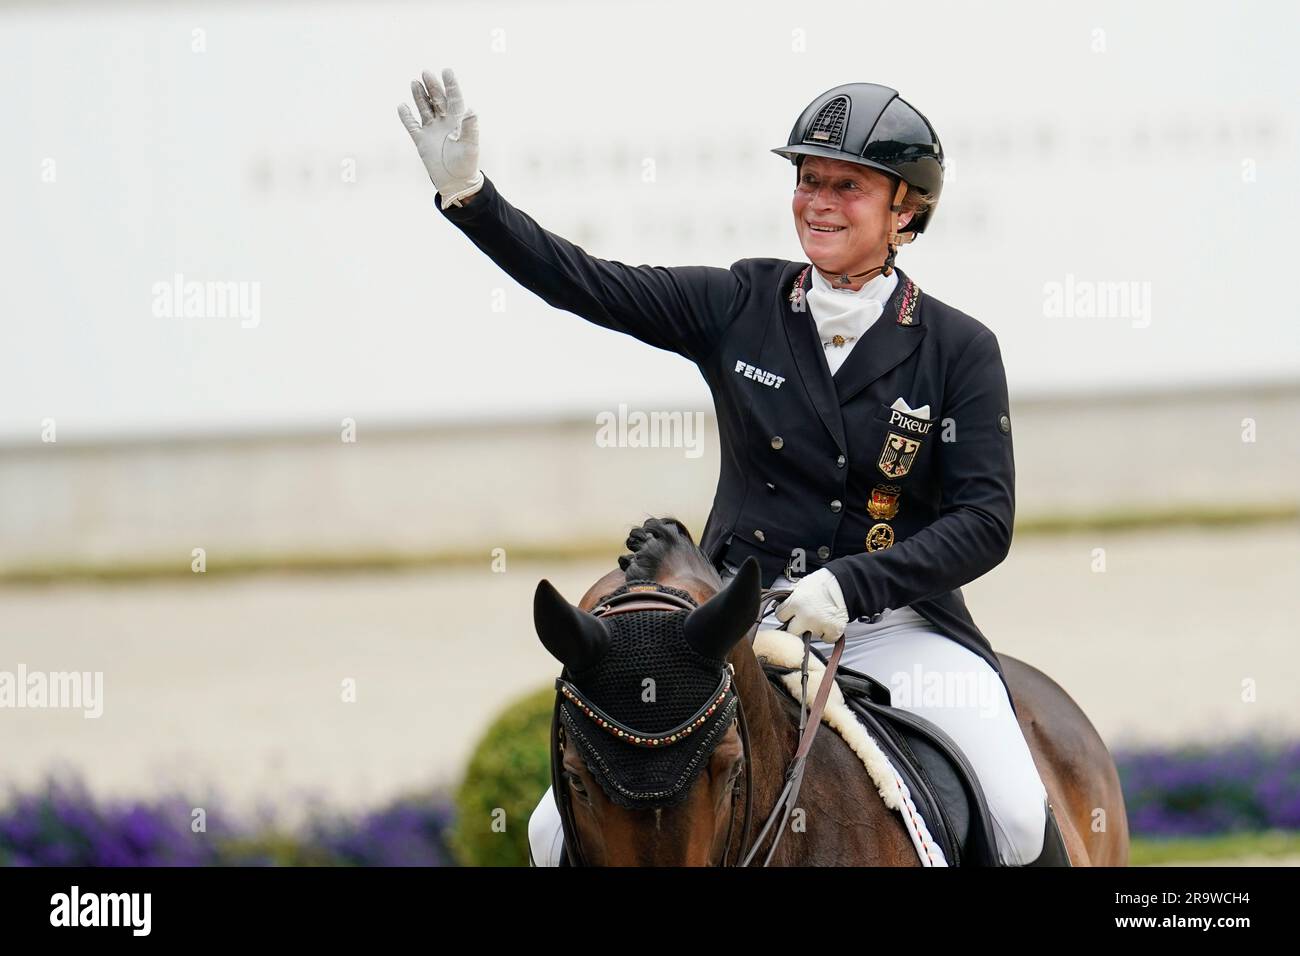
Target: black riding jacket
[{"x": 803, "y": 453}]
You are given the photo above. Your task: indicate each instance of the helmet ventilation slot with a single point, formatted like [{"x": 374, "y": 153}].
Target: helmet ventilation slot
[{"x": 827, "y": 127}]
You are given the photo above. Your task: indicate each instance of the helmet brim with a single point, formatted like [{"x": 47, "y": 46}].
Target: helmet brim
[{"x": 793, "y": 153}]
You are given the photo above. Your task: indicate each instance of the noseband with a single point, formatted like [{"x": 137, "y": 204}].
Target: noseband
[{"x": 651, "y": 597}]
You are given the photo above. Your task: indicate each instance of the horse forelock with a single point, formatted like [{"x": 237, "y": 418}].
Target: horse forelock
[{"x": 665, "y": 553}]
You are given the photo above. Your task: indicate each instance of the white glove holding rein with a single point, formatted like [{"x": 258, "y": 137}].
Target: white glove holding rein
[{"x": 816, "y": 604}]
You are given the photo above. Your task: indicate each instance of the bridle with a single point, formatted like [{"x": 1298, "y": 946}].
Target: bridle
[{"x": 651, "y": 598}]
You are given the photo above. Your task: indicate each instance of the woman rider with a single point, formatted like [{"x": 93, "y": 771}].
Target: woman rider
[{"x": 866, "y": 440}]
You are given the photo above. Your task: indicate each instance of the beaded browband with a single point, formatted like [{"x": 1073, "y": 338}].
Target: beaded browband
[{"x": 631, "y": 736}]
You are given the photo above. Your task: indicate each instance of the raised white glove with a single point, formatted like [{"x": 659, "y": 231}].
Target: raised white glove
[
  {"x": 446, "y": 136},
  {"x": 816, "y": 604}
]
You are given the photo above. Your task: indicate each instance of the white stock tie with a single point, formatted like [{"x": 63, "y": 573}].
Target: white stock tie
[{"x": 846, "y": 313}]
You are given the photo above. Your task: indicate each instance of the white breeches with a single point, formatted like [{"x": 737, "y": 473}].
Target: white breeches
[{"x": 933, "y": 676}]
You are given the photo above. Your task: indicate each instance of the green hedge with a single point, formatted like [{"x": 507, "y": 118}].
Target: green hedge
[{"x": 508, "y": 771}]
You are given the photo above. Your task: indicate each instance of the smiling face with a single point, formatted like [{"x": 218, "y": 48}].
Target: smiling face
[{"x": 841, "y": 214}]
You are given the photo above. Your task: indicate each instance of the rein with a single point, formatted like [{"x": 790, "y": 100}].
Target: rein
[{"x": 809, "y": 722}]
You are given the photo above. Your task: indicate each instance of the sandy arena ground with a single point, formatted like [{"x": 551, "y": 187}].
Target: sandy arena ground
[{"x": 237, "y": 683}]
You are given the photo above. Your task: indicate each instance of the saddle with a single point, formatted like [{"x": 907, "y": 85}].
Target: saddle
[{"x": 941, "y": 780}]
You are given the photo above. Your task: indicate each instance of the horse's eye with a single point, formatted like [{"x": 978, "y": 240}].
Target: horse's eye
[{"x": 575, "y": 782}]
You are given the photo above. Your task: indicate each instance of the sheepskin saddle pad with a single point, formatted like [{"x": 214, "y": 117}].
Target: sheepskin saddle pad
[{"x": 785, "y": 650}]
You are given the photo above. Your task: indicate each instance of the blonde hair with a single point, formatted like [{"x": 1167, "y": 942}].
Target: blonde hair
[{"x": 917, "y": 202}]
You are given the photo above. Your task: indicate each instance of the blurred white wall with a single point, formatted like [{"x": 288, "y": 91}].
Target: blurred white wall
[
  {"x": 458, "y": 492},
  {"x": 1150, "y": 143}
]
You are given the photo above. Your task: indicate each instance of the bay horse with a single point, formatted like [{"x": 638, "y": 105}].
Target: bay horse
[{"x": 845, "y": 823}]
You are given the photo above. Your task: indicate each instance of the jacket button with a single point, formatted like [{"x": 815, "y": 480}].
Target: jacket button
[
  {"x": 836, "y": 505},
  {"x": 839, "y": 462},
  {"x": 758, "y": 533},
  {"x": 823, "y": 552},
  {"x": 778, "y": 442}
]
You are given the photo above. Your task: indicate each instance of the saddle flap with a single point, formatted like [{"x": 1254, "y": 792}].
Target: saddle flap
[{"x": 948, "y": 777}]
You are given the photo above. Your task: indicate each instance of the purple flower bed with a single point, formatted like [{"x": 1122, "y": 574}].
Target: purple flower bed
[
  {"x": 1240, "y": 786},
  {"x": 63, "y": 825},
  {"x": 406, "y": 833}
]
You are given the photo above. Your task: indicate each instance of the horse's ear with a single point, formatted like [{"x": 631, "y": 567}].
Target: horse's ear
[
  {"x": 719, "y": 623},
  {"x": 575, "y": 638}
]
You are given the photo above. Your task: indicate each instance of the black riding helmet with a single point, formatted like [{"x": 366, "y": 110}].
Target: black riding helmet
[{"x": 873, "y": 126}]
